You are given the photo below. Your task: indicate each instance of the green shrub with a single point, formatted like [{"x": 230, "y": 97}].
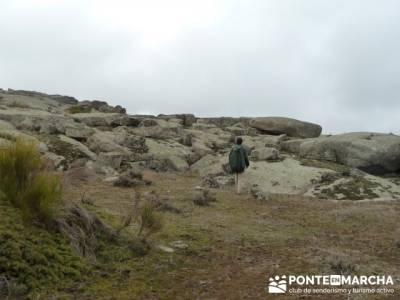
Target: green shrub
[
  {"x": 150, "y": 220},
  {"x": 25, "y": 184},
  {"x": 40, "y": 200},
  {"x": 19, "y": 162},
  {"x": 79, "y": 109}
]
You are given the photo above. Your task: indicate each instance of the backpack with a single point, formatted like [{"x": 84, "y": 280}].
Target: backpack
[{"x": 236, "y": 160}]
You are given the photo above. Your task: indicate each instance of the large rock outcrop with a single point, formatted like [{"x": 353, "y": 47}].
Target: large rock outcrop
[
  {"x": 265, "y": 153},
  {"x": 171, "y": 155},
  {"x": 35, "y": 120},
  {"x": 102, "y": 119},
  {"x": 375, "y": 153},
  {"x": 158, "y": 128},
  {"x": 186, "y": 119},
  {"x": 96, "y": 105},
  {"x": 290, "y": 127}
]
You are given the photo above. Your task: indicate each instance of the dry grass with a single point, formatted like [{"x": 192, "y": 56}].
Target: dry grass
[{"x": 235, "y": 244}]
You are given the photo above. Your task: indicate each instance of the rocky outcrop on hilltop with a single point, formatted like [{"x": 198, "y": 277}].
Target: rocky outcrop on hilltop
[
  {"x": 32, "y": 94},
  {"x": 290, "y": 127},
  {"x": 287, "y": 156}
]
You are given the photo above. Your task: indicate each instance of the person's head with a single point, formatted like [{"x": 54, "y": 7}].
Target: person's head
[{"x": 239, "y": 141}]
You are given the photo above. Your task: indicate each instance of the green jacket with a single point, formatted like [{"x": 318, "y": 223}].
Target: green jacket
[{"x": 238, "y": 160}]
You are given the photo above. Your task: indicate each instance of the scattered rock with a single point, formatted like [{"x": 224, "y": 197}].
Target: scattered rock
[
  {"x": 100, "y": 106},
  {"x": 177, "y": 163},
  {"x": 270, "y": 154},
  {"x": 102, "y": 119},
  {"x": 179, "y": 245},
  {"x": 238, "y": 131},
  {"x": 106, "y": 142},
  {"x": 148, "y": 123},
  {"x": 103, "y": 139},
  {"x": 140, "y": 246},
  {"x": 214, "y": 181},
  {"x": 111, "y": 179},
  {"x": 223, "y": 122},
  {"x": 210, "y": 165},
  {"x": 203, "y": 126},
  {"x": 65, "y": 143},
  {"x": 187, "y": 119},
  {"x": 131, "y": 178},
  {"x": 210, "y": 181},
  {"x": 192, "y": 158},
  {"x": 292, "y": 146},
  {"x": 158, "y": 129},
  {"x": 165, "y": 249},
  {"x": 169, "y": 155},
  {"x": 201, "y": 149},
  {"x": 259, "y": 194},
  {"x": 111, "y": 159},
  {"x": 127, "y": 181},
  {"x": 187, "y": 140},
  {"x": 123, "y": 136},
  {"x": 54, "y": 161},
  {"x": 204, "y": 197},
  {"x": 78, "y": 131}
]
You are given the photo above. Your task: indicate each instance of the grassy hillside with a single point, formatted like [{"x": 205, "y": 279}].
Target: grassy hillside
[{"x": 223, "y": 251}]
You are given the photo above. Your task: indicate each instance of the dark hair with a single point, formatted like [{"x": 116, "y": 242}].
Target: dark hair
[{"x": 239, "y": 141}]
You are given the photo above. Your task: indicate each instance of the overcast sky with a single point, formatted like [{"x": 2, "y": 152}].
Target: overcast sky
[{"x": 332, "y": 62}]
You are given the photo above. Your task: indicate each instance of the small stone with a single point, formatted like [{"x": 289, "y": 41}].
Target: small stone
[
  {"x": 179, "y": 245},
  {"x": 165, "y": 249},
  {"x": 111, "y": 179}
]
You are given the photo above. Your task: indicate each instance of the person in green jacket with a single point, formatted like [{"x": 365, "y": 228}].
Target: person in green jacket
[{"x": 238, "y": 161}]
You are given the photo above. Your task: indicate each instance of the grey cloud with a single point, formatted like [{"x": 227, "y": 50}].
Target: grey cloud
[{"x": 335, "y": 63}]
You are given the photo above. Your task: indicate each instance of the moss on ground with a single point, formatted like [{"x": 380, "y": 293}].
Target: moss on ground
[
  {"x": 35, "y": 261},
  {"x": 357, "y": 188},
  {"x": 38, "y": 263},
  {"x": 324, "y": 164}
]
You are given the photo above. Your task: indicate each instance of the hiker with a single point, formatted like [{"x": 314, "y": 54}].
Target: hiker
[{"x": 238, "y": 161}]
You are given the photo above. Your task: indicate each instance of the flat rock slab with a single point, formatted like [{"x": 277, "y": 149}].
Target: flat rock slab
[
  {"x": 375, "y": 153},
  {"x": 291, "y": 127},
  {"x": 285, "y": 177}
]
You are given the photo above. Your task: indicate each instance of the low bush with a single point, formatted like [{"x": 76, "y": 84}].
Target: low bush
[
  {"x": 150, "y": 220},
  {"x": 79, "y": 109},
  {"x": 41, "y": 199},
  {"x": 25, "y": 184}
]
